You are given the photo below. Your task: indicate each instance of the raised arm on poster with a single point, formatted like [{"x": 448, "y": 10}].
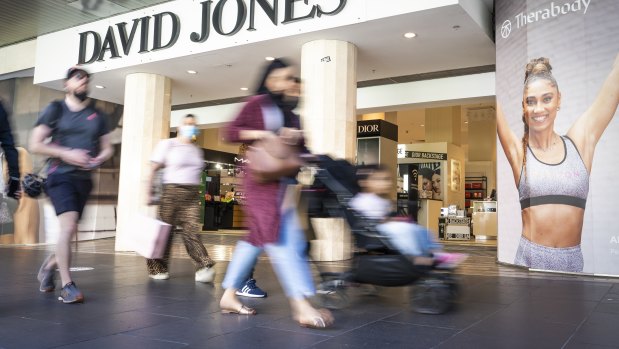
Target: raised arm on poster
[
  {"x": 588, "y": 128},
  {"x": 551, "y": 171}
]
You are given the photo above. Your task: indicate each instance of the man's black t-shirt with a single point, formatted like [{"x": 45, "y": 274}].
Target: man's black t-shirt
[{"x": 77, "y": 130}]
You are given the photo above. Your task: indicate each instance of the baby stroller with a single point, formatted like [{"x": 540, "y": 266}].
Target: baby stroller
[{"x": 374, "y": 261}]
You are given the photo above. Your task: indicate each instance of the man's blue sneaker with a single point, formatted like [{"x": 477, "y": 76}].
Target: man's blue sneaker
[
  {"x": 250, "y": 289},
  {"x": 46, "y": 276},
  {"x": 71, "y": 294}
]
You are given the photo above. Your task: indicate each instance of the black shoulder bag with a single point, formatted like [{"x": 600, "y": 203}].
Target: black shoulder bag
[{"x": 34, "y": 183}]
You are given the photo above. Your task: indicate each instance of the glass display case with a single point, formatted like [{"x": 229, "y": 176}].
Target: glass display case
[
  {"x": 484, "y": 206},
  {"x": 485, "y": 219}
]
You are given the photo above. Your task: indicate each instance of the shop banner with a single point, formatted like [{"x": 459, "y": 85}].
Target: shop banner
[
  {"x": 557, "y": 86},
  {"x": 182, "y": 28}
]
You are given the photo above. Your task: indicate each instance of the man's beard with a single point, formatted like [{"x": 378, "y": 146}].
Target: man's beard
[{"x": 82, "y": 96}]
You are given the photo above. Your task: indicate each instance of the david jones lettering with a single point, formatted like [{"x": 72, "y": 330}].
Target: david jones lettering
[{"x": 211, "y": 18}]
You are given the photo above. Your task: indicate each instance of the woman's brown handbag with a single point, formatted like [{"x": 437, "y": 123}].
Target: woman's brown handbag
[{"x": 271, "y": 158}]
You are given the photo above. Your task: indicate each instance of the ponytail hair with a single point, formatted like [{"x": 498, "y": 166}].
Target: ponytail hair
[{"x": 536, "y": 69}]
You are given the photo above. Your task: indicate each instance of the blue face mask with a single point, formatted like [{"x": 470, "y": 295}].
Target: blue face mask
[{"x": 188, "y": 131}]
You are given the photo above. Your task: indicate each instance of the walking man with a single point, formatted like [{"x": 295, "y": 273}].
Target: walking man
[{"x": 79, "y": 144}]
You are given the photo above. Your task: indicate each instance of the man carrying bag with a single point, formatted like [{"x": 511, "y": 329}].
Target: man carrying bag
[{"x": 80, "y": 143}]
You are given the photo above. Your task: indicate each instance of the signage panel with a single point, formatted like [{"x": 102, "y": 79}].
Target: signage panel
[
  {"x": 566, "y": 51},
  {"x": 188, "y": 27},
  {"x": 378, "y": 127}
]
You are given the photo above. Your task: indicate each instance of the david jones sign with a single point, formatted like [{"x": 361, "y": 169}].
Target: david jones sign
[{"x": 118, "y": 39}]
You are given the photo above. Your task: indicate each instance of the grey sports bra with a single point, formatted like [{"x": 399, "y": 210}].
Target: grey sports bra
[{"x": 565, "y": 183}]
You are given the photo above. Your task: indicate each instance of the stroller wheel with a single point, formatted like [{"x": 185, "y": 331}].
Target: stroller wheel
[
  {"x": 454, "y": 286},
  {"x": 432, "y": 296},
  {"x": 332, "y": 294}
]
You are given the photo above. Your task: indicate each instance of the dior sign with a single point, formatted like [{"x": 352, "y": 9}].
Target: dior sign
[
  {"x": 362, "y": 129},
  {"x": 118, "y": 39},
  {"x": 374, "y": 128}
]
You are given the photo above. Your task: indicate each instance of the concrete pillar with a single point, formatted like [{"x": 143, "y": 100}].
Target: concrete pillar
[
  {"x": 147, "y": 120},
  {"x": 329, "y": 73}
]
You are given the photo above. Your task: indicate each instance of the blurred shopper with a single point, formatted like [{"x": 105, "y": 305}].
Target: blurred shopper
[
  {"x": 182, "y": 163},
  {"x": 79, "y": 144},
  {"x": 12, "y": 157},
  {"x": 269, "y": 114},
  {"x": 407, "y": 237}
]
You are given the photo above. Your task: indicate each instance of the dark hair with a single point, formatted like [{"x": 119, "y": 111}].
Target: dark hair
[
  {"x": 74, "y": 70},
  {"x": 426, "y": 173},
  {"x": 437, "y": 171},
  {"x": 190, "y": 116},
  {"x": 536, "y": 69},
  {"x": 277, "y": 63},
  {"x": 365, "y": 171}
]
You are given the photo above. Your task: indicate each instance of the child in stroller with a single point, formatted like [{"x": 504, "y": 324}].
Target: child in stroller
[
  {"x": 377, "y": 260},
  {"x": 408, "y": 238}
]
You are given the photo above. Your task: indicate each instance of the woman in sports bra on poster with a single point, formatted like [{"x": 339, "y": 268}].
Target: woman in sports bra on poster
[{"x": 552, "y": 171}]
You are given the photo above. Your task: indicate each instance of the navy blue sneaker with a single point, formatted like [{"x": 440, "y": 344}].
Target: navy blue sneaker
[{"x": 250, "y": 289}]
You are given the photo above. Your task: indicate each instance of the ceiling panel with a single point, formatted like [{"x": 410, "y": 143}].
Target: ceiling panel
[{"x": 26, "y": 19}]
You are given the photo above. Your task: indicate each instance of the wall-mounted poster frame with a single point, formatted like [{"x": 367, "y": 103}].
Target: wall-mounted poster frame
[
  {"x": 456, "y": 175},
  {"x": 557, "y": 89}
]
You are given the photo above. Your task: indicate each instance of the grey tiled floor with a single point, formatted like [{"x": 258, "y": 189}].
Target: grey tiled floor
[{"x": 500, "y": 307}]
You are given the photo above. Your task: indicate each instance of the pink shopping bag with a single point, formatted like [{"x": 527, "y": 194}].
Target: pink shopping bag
[{"x": 150, "y": 237}]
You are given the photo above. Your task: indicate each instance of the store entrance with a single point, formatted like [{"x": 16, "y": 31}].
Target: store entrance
[
  {"x": 221, "y": 192},
  {"x": 446, "y": 172}
]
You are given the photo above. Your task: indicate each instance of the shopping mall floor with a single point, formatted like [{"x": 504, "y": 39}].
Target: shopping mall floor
[{"x": 499, "y": 307}]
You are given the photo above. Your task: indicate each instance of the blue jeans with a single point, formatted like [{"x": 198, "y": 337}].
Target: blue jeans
[
  {"x": 409, "y": 238},
  {"x": 287, "y": 257}
]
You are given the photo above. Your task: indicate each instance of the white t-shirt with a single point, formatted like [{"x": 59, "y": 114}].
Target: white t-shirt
[
  {"x": 371, "y": 205},
  {"x": 183, "y": 163}
]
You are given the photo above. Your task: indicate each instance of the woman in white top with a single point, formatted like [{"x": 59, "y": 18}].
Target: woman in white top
[{"x": 182, "y": 164}]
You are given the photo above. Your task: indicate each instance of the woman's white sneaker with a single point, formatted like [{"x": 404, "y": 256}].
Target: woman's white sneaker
[
  {"x": 205, "y": 275},
  {"x": 159, "y": 276}
]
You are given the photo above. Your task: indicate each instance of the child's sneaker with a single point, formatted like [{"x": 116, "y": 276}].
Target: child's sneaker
[
  {"x": 446, "y": 260},
  {"x": 71, "y": 294}
]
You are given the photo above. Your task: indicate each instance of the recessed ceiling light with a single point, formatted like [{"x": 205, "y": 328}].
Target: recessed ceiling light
[
  {"x": 244, "y": 89},
  {"x": 99, "y": 86},
  {"x": 422, "y": 125},
  {"x": 269, "y": 58},
  {"x": 192, "y": 72},
  {"x": 466, "y": 122},
  {"x": 410, "y": 35}
]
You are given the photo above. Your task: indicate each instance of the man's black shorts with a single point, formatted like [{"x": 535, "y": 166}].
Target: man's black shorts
[{"x": 68, "y": 192}]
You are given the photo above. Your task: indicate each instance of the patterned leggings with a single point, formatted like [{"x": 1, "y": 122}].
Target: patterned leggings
[
  {"x": 536, "y": 256},
  {"x": 179, "y": 207}
]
